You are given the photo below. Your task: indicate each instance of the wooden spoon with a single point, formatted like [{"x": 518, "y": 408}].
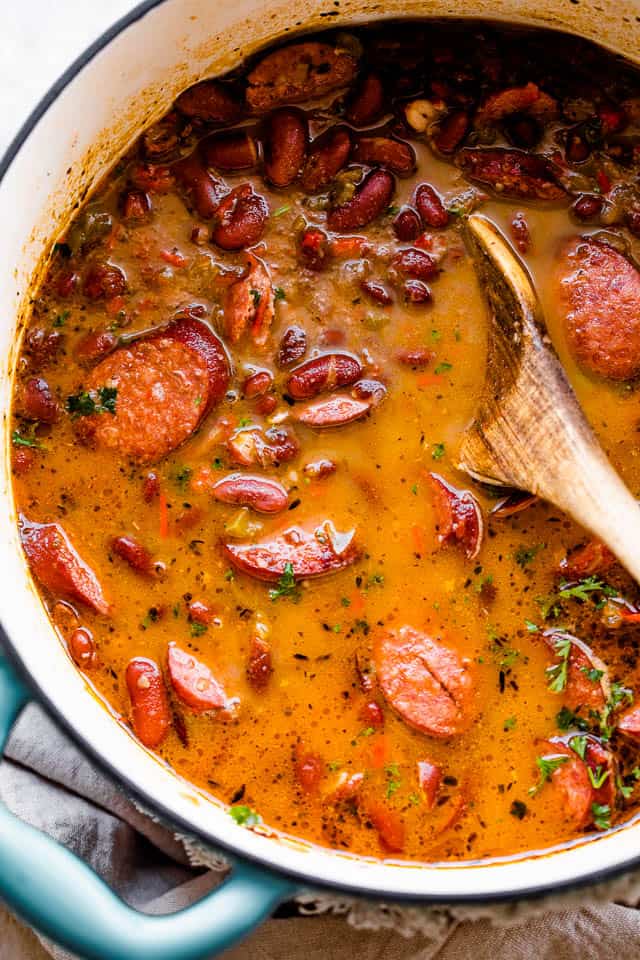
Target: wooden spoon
[{"x": 529, "y": 431}]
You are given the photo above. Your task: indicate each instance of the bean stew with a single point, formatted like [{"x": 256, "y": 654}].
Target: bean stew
[{"x": 236, "y": 412}]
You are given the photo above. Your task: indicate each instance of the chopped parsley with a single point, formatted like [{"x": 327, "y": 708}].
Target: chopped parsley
[
  {"x": 257, "y": 297},
  {"x": 509, "y": 723},
  {"x": 547, "y": 766},
  {"x": 526, "y": 555},
  {"x": 437, "y": 450},
  {"x": 20, "y": 441},
  {"x": 218, "y": 464},
  {"x": 579, "y": 745},
  {"x": 62, "y": 318},
  {"x": 281, "y": 210},
  {"x": 279, "y": 294},
  {"x": 592, "y": 674},
  {"x": 597, "y": 776},
  {"x": 246, "y": 422},
  {"x": 244, "y": 816},
  {"x": 229, "y": 575},
  {"x": 443, "y": 367},
  {"x": 287, "y": 586},
  {"x": 566, "y": 719},
  {"x": 531, "y": 627},
  {"x": 584, "y": 589},
  {"x": 345, "y": 602},
  {"x": 183, "y": 476},
  {"x": 394, "y": 781},
  {"x": 558, "y": 672},
  {"x": 197, "y": 629},
  {"x": 601, "y": 815},
  {"x": 619, "y": 694},
  {"x": 518, "y": 809},
  {"x": 86, "y": 403}
]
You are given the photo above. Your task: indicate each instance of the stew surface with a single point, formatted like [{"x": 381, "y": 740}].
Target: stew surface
[{"x": 237, "y": 409}]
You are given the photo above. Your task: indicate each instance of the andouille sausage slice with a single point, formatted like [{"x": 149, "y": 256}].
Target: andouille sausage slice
[
  {"x": 458, "y": 516},
  {"x": 56, "y": 564},
  {"x": 571, "y": 782},
  {"x": 298, "y": 72},
  {"x": 310, "y": 552},
  {"x": 598, "y": 292},
  {"x": 166, "y": 383},
  {"x": 193, "y": 681},
  {"x": 512, "y": 173},
  {"x": 629, "y": 723},
  {"x": 149, "y": 703},
  {"x": 586, "y": 683},
  {"x": 262, "y": 494},
  {"x": 426, "y": 682}
]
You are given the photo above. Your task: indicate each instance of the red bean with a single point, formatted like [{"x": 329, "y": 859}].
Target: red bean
[
  {"x": 371, "y": 390},
  {"x": 371, "y": 715},
  {"x": 262, "y": 494},
  {"x": 314, "y": 247},
  {"x": 135, "y": 204},
  {"x": 587, "y": 207},
  {"x": 337, "y": 410},
  {"x": 150, "y": 487},
  {"x": 395, "y": 155},
  {"x": 204, "y": 190},
  {"x": 209, "y": 100},
  {"x": 285, "y": 146},
  {"x": 309, "y": 770},
  {"x": 319, "y": 469},
  {"x": 259, "y": 666},
  {"x": 418, "y": 358},
  {"x": 103, "y": 281},
  {"x": 327, "y": 156},
  {"x": 366, "y": 103},
  {"x": 520, "y": 232},
  {"x": 200, "y": 612},
  {"x": 230, "y": 151},
  {"x": 415, "y": 291},
  {"x": 133, "y": 553},
  {"x": 407, "y": 225},
  {"x": 266, "y": 404},
  {"x": 323, "y": 373},
  {"x": 257, "y": 384},
  {"x": 414, "y": 263},
  {"x": 372, "y": 197},
  {"x": 240, "y": 219},
  {"x": 39, "y": 402},
  {"x": 377, "y": 291},
  {"x": 22, "y": 460},
  {"x": 451, "y": 132},
  {"x": 429, "y": 779},
  {"x": 95, "y": 345},
  {"x": 83, "y": 649},
  {"x": 430, "y": 207},
  {"x": 149, "y": 703},
  {"x": 458, "y": 516}
]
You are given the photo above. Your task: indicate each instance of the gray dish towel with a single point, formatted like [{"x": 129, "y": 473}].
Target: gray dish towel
[{"x": 47, "y": 781}]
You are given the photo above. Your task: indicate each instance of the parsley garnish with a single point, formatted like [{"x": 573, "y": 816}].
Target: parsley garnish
[
  {"x": 287, "y": 586},
  {"x": 443, "y": 367},
  {"x": 583, "y": 590},
  {"x": 566, "y": 719},
  {"x": 547, "y": 766},
  {"x": 526, "y": 555},
  {"x": 531, "y": 627},
  {"x": 197, "y": 629},
  {"x": 509, "y": 723},
  {"x": 578, "y": 745},
  {"x": 394, "y": 781},
  {"x": 601, "y": 815},
  {"x": 619, "y": 694},
  {"x": 437, "y": 450},
  {"x": 244, "y": 816},
  {"x": 592, "y": 674},
  {"x": 62, "y": 318},
  {"x": 558, "y": 672},
  {"x": 281, "y": 210},
  {"x": 597, "y": 776},
  {"x": 257, "y": 297},
  {"x": 86, "y": 403},
  {"x": 279, "y": 294},
  {"x": 183, "y": 476},
  {"x": 20, "y": 441}
]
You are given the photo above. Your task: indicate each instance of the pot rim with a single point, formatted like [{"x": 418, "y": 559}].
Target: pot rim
[{"x": 170, "y": 816}]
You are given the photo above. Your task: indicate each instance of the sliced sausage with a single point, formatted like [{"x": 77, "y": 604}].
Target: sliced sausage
[
  {"x": 388, "y": 825},
  {"x": 311, "y": 553},
  {"x": 56, "y": 564},
  {"x": 327, "y": 156},
  {"x": 210, "y": 101},
  {"x": 372, "y": 197},
  {"x": 166, "y": 383},
  {"x": 335, "y": 411},
  {"x": 529, "y": 99},
  {"x": 511, "y": 173},
  {"x": 285, "y": 146},
  {"x": 426, "y": 682},
  {"x": 323, "y": 373},
  {"x": 571, "y": 782},
  {"x": 429, "y": 780},
  {"x": 585, "y": 561},
  {"x": 587, "y": 681},
  {"x": 250, "y": 304},
  {"x": 298, "y": 72},
  {"x": 598, "y": 292},
  {"x": 193, "y": 681},
  {"x": 102, "y": 281},
  {"x": 149, "y": 702},
  {"x": 262, "y": 494},
  {"x": 458, "y": 516},
  {"x": 366, "y": 103},
  {"x": 395, "y": 155},
  {"x": 629, "y": 724}
]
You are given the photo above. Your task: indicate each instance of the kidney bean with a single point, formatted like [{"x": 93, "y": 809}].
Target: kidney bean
[
  {"x": 587, "y": 206},
  {"x": 327, "y": 156},
  {"x": 613, "y": 119},
  {"x": 103, "y": 281},
  {"x": 314, "y": 247},
  {"x": 257, "y": 384},
  {"x": 230, "y": 151},
  {"x": 209, "y": 100},
  {"x": 319, "y": 469},
  {"x": 366, "y": 102},
  {"x": 278, "y": 446},
  {"x": 430, "y": 206},
  {"x": 150, "y": 487},
  {"x": 520, "y": 232},
  {"x": 200, "y": 612},
  {"x": 135, "y": 204},
  {"x": 285, "y": 146},
  {"x": 193, "y": 681},
  {"x": 415, "y": 291},
  {"x": 416, "y": 357},
  {"x": 407, "y": 225},
  {"x": 250, "y": 304},
  {"x": 133, "y": 553},
  {"x": 39, "y": 402},
  {"x": 334, "y": 411},
  {"x": 577, "y": 149},
  {"x": 377, "y": 291},
  {"x": 262, "y": 494},
  {"x": 67, "y": 282},
  {"x": 43, "y": 346},
  {"x": 240, "y": 219},
  {"x": 321, "y": 374},
  {"x": 266, "y": 404},
  {"x": 451, "y": 131},
  {"x": 152, "y": 177},
  {"x": 371, "y": 715},
  {"x": 372, "y": 197},
  {"x": 204, "y": 190},
  {"x": 524, "y": 132},
  {"x": 458, "y": 516},
  {"x": 82, "y": 648},
  {"x": 22, "y": 460},
  {"x": 372, "y": 390},
  {"x": 413, "y": 263},
  {"x": 259, "y": 666},
  {"x": 395, "y": 155},
  {"x": 161, "y": 139},
  {"x": 149, "y": 702},
  {"x": 429, "y": 779},
  {"x": 309, "y": 770},
  {"x": 95, "y": 345},
  {"x": 388, "y": 825},
  {"x": 632, "y": 221}
]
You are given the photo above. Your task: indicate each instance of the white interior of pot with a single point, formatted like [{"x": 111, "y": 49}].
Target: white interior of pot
[{"x": 93, "y": 119}]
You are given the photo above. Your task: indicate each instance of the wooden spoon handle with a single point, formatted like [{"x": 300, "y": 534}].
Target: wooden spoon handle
[{"x": 529, "y": 431}]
